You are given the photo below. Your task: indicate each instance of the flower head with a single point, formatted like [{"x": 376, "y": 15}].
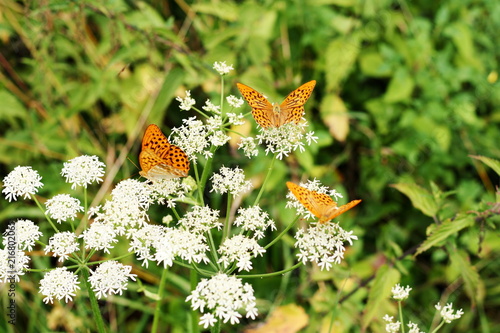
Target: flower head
[
  {"x": 22, "y": 181},
  {"x": 59, "y": 283},
  {"x": 230, "y": 180},
  {"x": 223, "y": 296},
  {"x": 12, "y": 266},
  {"x": 254, "y": 219},
  {"x": 210, "y": 107},
  {"x": 111, "y": 277},
  {"x": 235, "y": 102},
  {"x": 285, "y": 139},
  {"x": 63, "y": 207},
  {"x": 391, "y": 327},
  {"x": 24, "y": 233},
  {"x": 414, "y": 328},
  {"x": 83, "y": 170},
  {"x": 186, "y": 102},
  {"x": 99, "y": 236},
  {"x": 323, "y": 244},
  {"x": 201, "y": 219},
  {"x": 62, "y": 244},
  {"x": 192, "y": 137},
  {"x": 447, "y": 312},
  {"x": 240, "y": 249},
  {"x": 400, "y": 293},
  {"x": 249, "y": 147},
  {"x": 222, "y": 68}
]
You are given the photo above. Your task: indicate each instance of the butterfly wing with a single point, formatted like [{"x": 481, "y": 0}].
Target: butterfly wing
[
  {"x": 316, "y": 203},
  {"x": 176, "y": 158},
  {"x": 154, "y": 167},
  {"x": 262, "y": 110},
  {"x": 292, "y": 108},
  {"x": 342, "y": 209},
  {"x": 154, "y": 138}
]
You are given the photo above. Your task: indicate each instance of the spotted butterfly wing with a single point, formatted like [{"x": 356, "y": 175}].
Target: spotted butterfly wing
[
  {"x": 321, "y": 205},
  {"x": 276, "y": 115},
  {"x": 159, "y": 159}
]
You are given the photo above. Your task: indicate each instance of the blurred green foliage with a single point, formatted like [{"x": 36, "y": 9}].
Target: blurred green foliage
[{"x": 406, "y": 92}]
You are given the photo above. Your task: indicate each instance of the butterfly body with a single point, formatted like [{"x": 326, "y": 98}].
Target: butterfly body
[
  {"x": 268, "y": 115},
  {"x": 159, "y": 159},
  {"x": 321, "y": 205}
]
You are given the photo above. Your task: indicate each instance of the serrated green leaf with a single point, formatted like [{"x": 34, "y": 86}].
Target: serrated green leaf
[
  {"x": 492, "y": 163},
  {"x": 400, "y": 88},
  {"x": 385, "y": 279},
  {"x": 468, "y": 273},
  {"x": 420, "y": 198},
  {"x": 443, "y": 231}
]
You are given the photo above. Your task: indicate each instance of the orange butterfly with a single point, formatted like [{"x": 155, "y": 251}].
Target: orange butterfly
[
  {"x": 159, "y": 159},
  {"x": 321, "y": 205},
  {"x": 275, "y": 115}
]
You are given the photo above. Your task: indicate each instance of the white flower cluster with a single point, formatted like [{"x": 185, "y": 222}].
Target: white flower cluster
[
  {"x": 161, "y": 244},
  {"x": 26, "y": 234},
  {"x": 127, "y": 209},
  {"x": 99, "y": 237},
  {"x": 240, "y": 249},
  {"x": 23, "y": 181},
  {"x": 447, "y": 313},
  {"x": 59, "y": 283},
  {"x": 221, "y": 298},
  {"x": 13, "y": 263},
  {"x": 110, "y": 277},
  {"x": 83, "y": 170},
  {"x": 186, "y": 102},
  {"x": 63, "y": 207},
  {"x": 169, "y": 191},
  {"x": 62, "y": 244},
  {"x": 254, "y": 219},
  {"x": 323, "y": 244},
  {"x": 201, "y": 219},
  {"x": 230, "y": 180},
  {"x": 285, "y": 139},
  {"x": 400, "y": 293},
  {"x": 222, "y": 68}
]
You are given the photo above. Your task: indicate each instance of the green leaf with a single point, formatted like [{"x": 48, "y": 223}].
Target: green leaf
[
  {"x": 400, "y": 88},
  {"x": 341, "y": 57},
  {"x": 420, "y": 198},
  {"x": 443, "y": 231},
  {"x": 385, "y": 279},
  {"x": 467, "y": 272},
  {"x": 492, "y": 163}
]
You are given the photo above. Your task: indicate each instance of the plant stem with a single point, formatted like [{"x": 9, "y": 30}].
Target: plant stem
[{"x": 161, "y": 290}]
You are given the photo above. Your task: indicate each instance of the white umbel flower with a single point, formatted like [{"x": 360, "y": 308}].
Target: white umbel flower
[
  {"x": 240, "y": 249},
  {"x": 186, "y": 102},
  {"x": 111, "y": 277},
  {"x": 254, "y": 219},
  {"x": 24, "y": 233},
  {"x": 62, "y": 244},
  {"x": 400, "y": 293},
  {"x": 201, "y": 219},
  {"x": 13, "y": 263},
  {"x": 414, "y": 328},
  {"x": 59, "y": 283},
  {"x": 447, "y": 312},
  {"x": 63, "y": 207},
  {"x": 249, "y": 147},
  {"x": 391, "y": 327},
  {"x": 235, "y": 102},
  {"x": 222, "y": 68},
  {"x": 230, "y": 180},
  {"x": 21, "y": 182},
  {"x": 223, "y": 296},
  {"x": 99, "y": 236},
  {"x": 83, "y": 170}
]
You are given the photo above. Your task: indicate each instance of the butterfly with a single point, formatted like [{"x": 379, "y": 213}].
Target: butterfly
[
  {"x": 159, "y": 159},
  {"x": 321, "y": 205},
  {"x": 276, "y": 115}
]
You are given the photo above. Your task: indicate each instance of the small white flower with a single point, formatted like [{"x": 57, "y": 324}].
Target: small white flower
[
  {"x": 447, "y": 312},
  {"x": 13, "y": 263},
  {"x": 235, "y": 102},
  {"x": 22, "y": 181},
  {"x": 24, "y": 233},
  {"x": 240, "y": 249},
  {"x": 62, "y": 244},
  {"x": 223, "y": 296},
  {"x": 254, "y": 219},
  {"x": 222, "y": 68},
  {"x": 192, "y": 138},
  {"x": 284, "y": 139},
  {"x": 186, "y": 102},
  {"x": 400, "y": 293},
  {"x": 111, "y": 277},
  {"x": 323, "y": 244},
  {"x": 99, "y": 236},
  {"x": 168, "y": 191},
  {"x": 249, "y": 147},
  {"x": 391, "y": 327},
  {"x": 230, "y": 180},
  {"x": 83, "y": 170},
  {"x": 201, "y": 219},
  {"x": 63, "y": 207},
  {"x": 59, "y": 283},
  {"x": 210, "y": 107},
  {"x": 414, "y": 328},
  {"x": 235, "y": 118}
]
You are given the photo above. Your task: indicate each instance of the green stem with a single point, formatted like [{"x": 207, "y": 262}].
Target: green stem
[
  {"x": 254, "y": 276},
  {"x": 194, "y": 315},
  {"x": 204, "y": 175},
  {"x": 438, "y": 327},
  {"x": 222, "y": 95},
  {"x": 161, "y": 290},
  {"x": 288, "y": 227},
  {"x": 227, "y": 224},
  {"x": 93, "y": 303},
  {"x": 268, "y": 175},
  {"x": 44, "y": 213},
  {"x": 401, "y": 317}
]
